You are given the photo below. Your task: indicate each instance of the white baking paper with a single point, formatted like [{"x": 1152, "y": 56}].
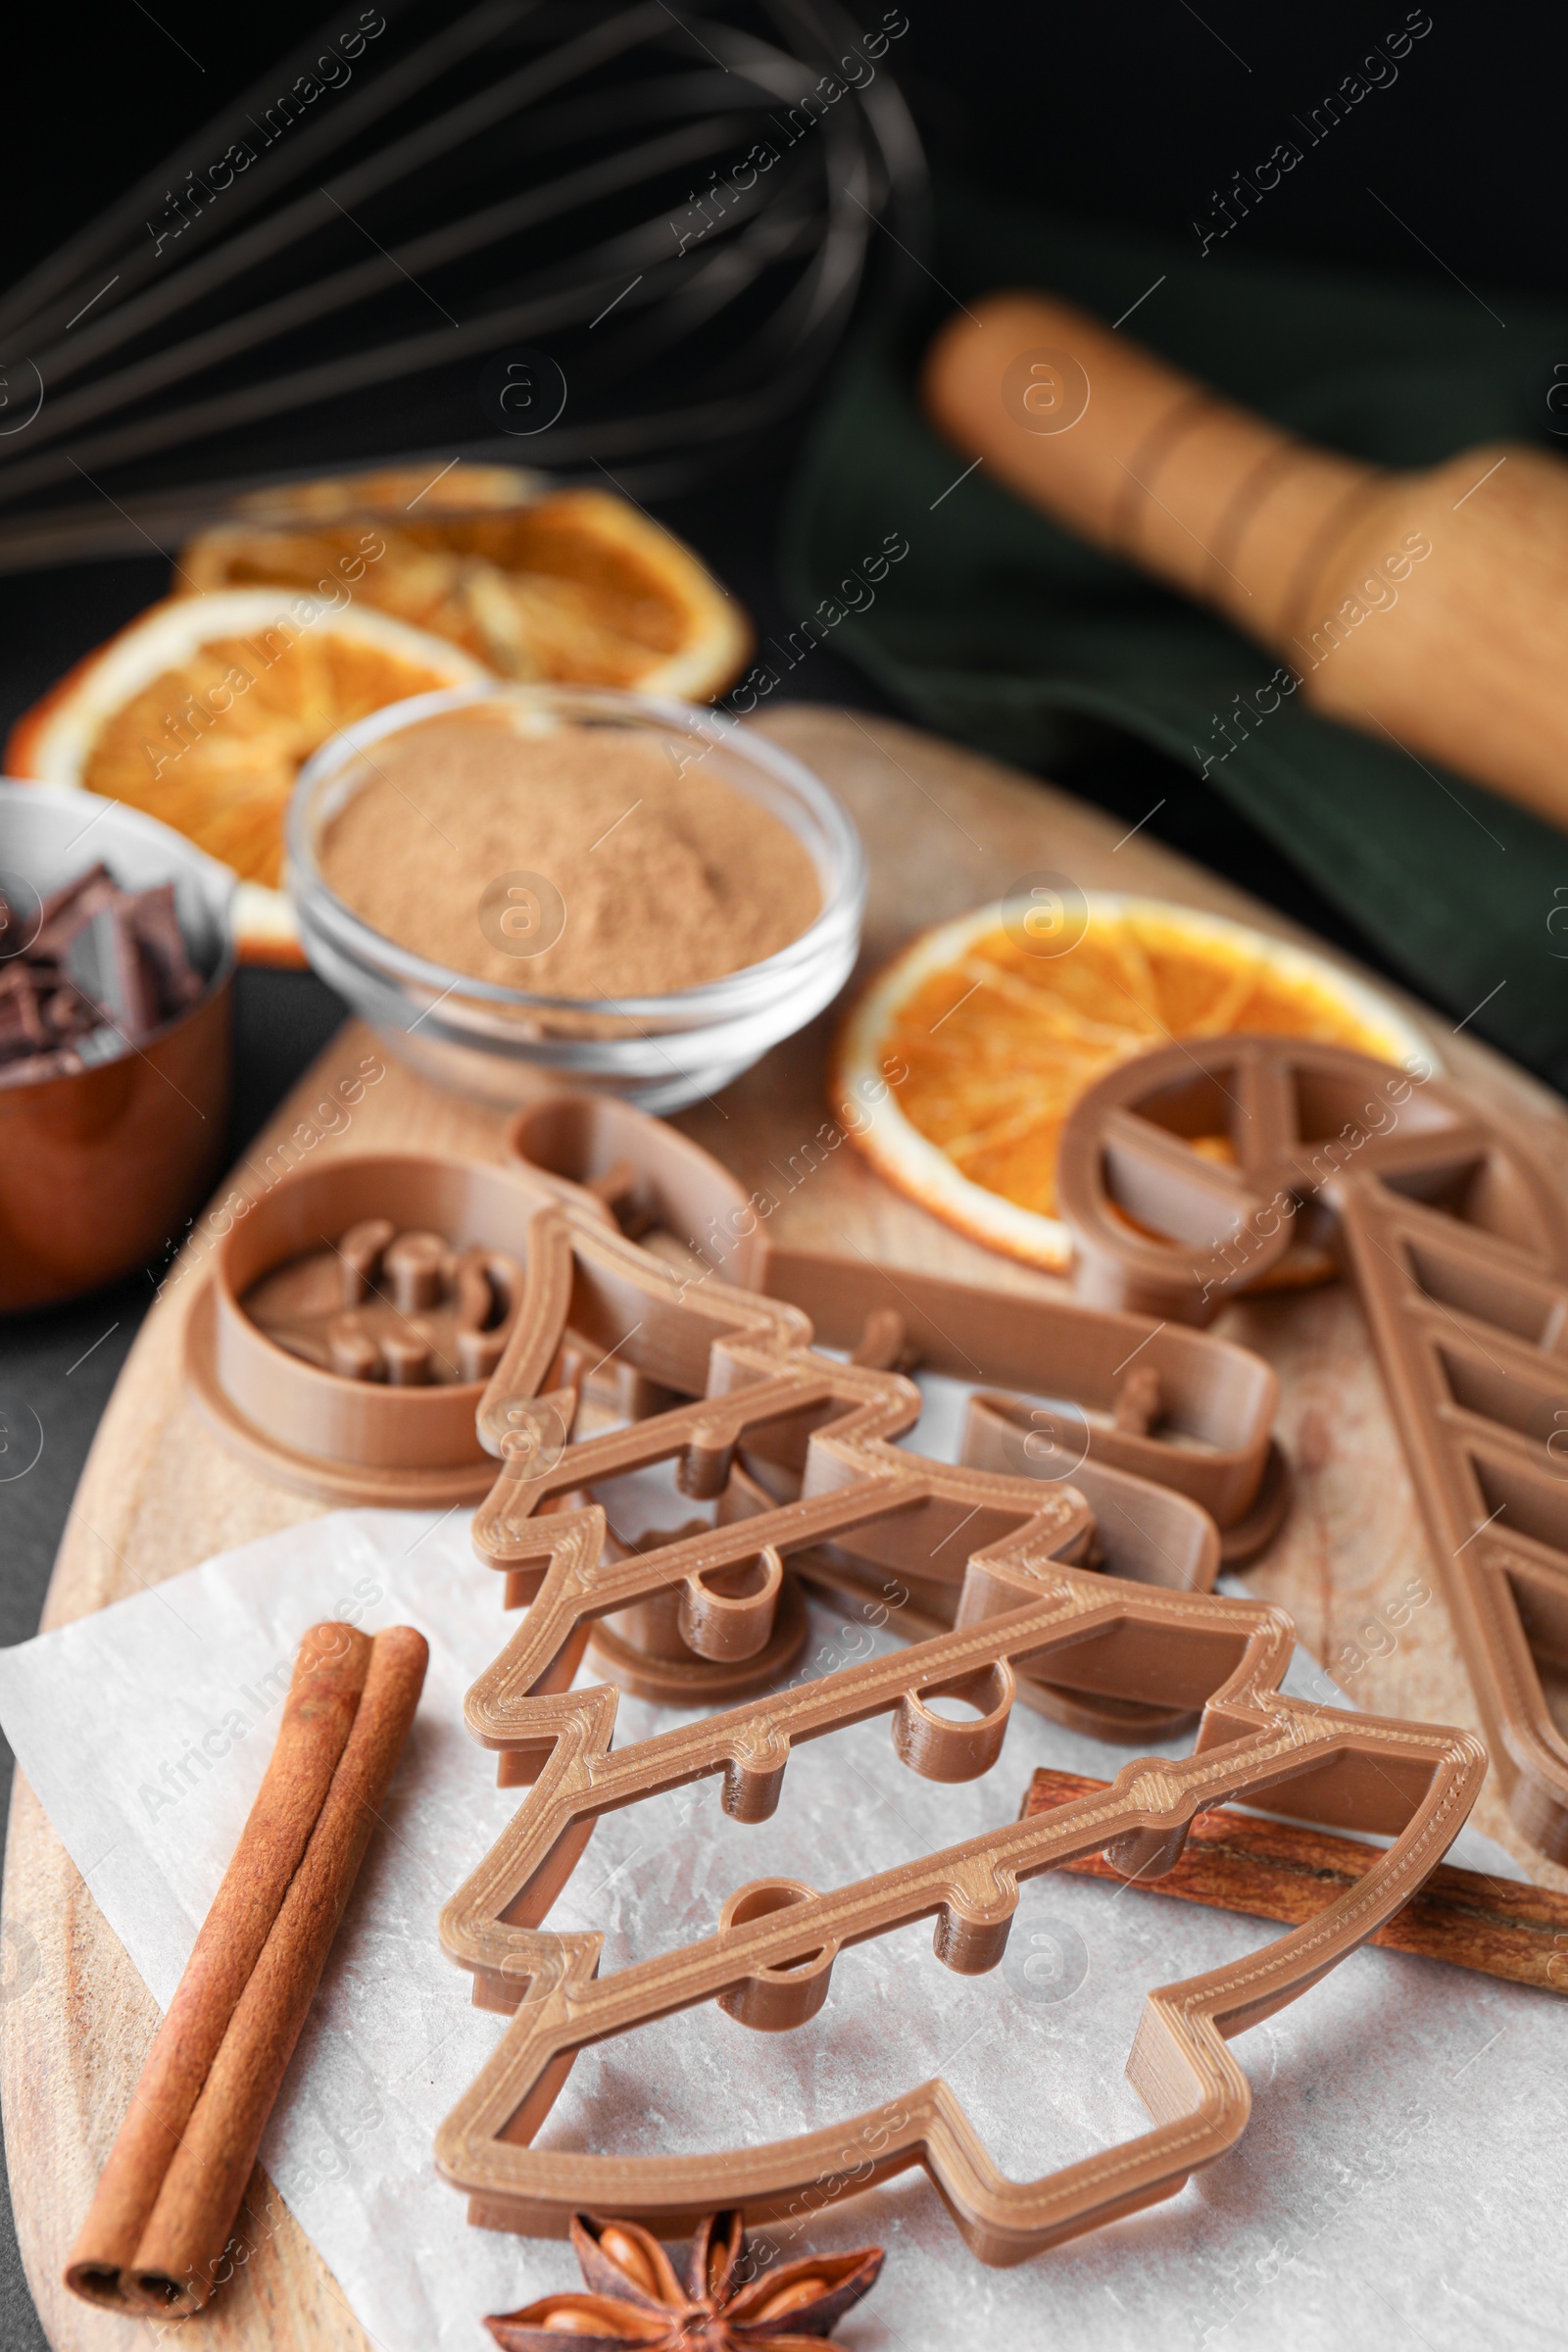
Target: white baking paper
[{"x": 1402, "y": 2182}]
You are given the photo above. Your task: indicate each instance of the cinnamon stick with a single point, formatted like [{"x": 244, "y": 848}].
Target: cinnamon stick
[
  {"x": 201, "y": 2190},
  {"x": 1280, "y": 1870},
  {"x": 318, "y": 1713}
]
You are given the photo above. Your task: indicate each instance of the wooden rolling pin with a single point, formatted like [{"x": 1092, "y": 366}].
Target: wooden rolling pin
[{"x": 1429, "y": 607}]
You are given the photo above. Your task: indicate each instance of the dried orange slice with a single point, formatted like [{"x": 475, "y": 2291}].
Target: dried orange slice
[
  {"x": 574, "y": 586},
  {"x": 204, "y": 709},
  {"x": 957, "y": 1066}
]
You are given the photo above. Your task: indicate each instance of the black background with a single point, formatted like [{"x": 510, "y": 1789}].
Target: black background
[{"x": 1129, "y": 114}]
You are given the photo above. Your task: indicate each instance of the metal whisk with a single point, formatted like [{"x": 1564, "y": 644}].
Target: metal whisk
[{"x": 676, "y": 211}]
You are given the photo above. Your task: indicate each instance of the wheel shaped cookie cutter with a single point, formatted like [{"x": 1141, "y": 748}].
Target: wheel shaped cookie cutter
[
  {"x": 1456, "y": 1234},
  {"x": 1021, "y": 1609}
]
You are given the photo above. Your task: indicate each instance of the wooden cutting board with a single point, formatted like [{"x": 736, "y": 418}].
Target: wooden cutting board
[{"x": 943, "y": 830}]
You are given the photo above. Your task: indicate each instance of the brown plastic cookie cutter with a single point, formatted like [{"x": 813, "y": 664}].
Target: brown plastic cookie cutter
[
  {"x": 653, "y": 1181},
  {"x": 797, "y": 1452},
  {"x": 1456, "y": 1234},
  {"x": 1189, "y": 1413},
  {"x": 701, "y": 1614},
  {"x": 769, "y": 1963},
  {"x": 729, "y": 1388},
  {"x": 1125, "y": 1394},
  {"x": 352, "y": 1319}
]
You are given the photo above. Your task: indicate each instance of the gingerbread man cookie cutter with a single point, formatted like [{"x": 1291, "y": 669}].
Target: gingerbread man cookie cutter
[{"x": 1456, "y": 1235}]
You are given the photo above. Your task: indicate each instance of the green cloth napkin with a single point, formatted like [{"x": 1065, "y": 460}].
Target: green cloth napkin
[{"x": 1001, "y": 629}]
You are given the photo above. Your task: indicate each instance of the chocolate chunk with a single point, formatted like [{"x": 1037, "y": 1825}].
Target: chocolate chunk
[
  {"x": 59, "y": 899},
  {"x": 22, "y": 1025},
  {"x": 68, "y": 1014},
  {"x": 104, "y": 959},
  {"x": 153, "y": 919},
  {"x": 65, "y": 912},
  {"x": 13, "y": 933},
  {"x": 95, "y": 968}
]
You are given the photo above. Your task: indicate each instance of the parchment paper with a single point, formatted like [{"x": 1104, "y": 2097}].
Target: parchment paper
[{"x": 1403, "y": 2181}]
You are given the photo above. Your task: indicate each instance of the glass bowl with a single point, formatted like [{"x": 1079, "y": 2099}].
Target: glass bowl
[{"x": 498, "y": 1041}]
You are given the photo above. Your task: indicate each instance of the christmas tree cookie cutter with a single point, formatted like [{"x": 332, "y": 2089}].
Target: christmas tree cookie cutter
[
  {"x": 708, "y": 1616},
  {"x": 1188, "y": 1413},
  {"x": 726, "y": 1386},
  {"x": 769, "y": 1960},
  {"x": 752, "y": 1382},
  {"x": 1456, "y": 1235}
]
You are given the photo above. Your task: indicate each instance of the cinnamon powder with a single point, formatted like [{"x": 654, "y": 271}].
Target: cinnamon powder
[{"x": 665, "y": 880}]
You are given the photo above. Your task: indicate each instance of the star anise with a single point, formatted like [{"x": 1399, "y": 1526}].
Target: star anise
[{"x": 637, "y": 2303}]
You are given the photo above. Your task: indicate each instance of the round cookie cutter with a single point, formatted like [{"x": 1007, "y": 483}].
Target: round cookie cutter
[{"x": 339, "y": 1439}]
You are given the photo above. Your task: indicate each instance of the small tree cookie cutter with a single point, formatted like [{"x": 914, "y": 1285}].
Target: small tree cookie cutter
[
  {"x": 1151, "y": 1390},
  {"x": 1020, "y": 1608},
  {"x": 1456, "y": 1235},
  {"x": 725, "y": 1384}
]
